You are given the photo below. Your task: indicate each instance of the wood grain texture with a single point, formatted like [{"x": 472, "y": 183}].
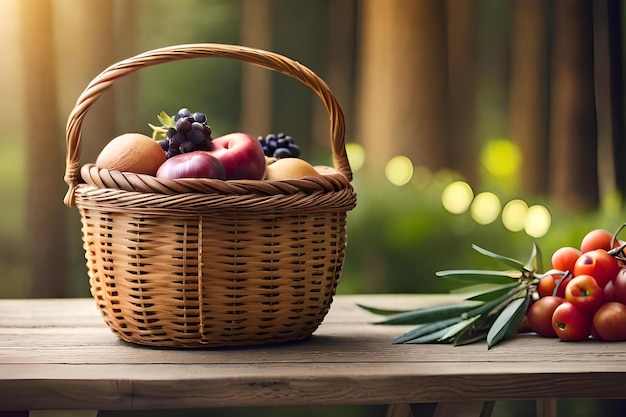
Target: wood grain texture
[{"x": 60, "y": 354}]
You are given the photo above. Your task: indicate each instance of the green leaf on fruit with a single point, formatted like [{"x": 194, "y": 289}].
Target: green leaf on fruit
[
  {"x": 165, "y": 120},
  {"x": 158, "y": 132}
]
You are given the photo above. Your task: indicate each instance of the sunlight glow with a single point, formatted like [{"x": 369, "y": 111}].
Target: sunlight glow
[
  {"x": 356, "y": 155},
  {"x": 538, "y": 220},
  {"x": 514, "y": 215},
  {"x": 399, "y": 170},
  {"x": 485, "y": 208},
  {"x": 501, "y": 157},
  {"x": 457, "y": 197}
]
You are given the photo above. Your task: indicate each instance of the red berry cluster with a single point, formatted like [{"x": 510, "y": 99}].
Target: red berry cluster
[{"x": 585, "y": 292}]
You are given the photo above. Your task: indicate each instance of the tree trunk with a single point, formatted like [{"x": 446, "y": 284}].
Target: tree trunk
[
  {"x": 339, "y": 68},
  {"x": 86, "y": 47},
  {"x": 528, "y": 102},
  {"x": 126, "y": 91},
  {"x": 256, "y": 113},
  {"x": 609, "y": 96},
  {"x": 46, "y": 234},
  {"x": 402, "y": 90},
  {"x": 462, "y": 61},
  {"x": 573, "y": 164}
]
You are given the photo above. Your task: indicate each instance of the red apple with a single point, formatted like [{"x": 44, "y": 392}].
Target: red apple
[
  {"x": 241, "y": 155},
  {"x": 584, "y": 292},
  {"x": 562, "y": 282},
  {"x": 540, "y": 313},
  {"x": 616, "y": 289},
  {"x": 609, "y": 322},
  {"x": 599, "y": 264},
  {"x": 570, "y": 323},
  {"x": 197, "y": 164}
]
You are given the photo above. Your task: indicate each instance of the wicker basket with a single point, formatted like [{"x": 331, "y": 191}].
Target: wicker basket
[{"x": 209, "y": 263}]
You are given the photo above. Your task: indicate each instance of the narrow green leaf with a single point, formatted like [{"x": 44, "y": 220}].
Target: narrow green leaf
[
  {"x": 493, "y": 293},
  {"x": 514, "y": 263},
  {"x": 509, "y": 317},
  {"x": 470, "y": 335},
  {"x": 429, "y": 315},
  {"x": 479, "y": 276},
  {"x": 382, "y": 311},
  {"x": 426, "y": 329},
  {"x": 534, "y": 260},
  {"x": 438, "y": 336},
  {"x": 457, "y": 328},
  {"x": 487, "y": 308}
]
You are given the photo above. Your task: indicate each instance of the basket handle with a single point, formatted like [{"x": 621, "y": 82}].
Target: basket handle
[{"x": 268, "y": 60}]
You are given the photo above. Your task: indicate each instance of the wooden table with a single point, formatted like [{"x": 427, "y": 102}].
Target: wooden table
[{"x": 58, "y": 354}]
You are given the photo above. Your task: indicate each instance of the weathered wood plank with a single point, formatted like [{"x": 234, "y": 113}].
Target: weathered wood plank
[{"x": 59, "y": 354}]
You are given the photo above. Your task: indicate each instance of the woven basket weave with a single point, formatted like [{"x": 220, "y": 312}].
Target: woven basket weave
[{"x": 209, "y": 263}]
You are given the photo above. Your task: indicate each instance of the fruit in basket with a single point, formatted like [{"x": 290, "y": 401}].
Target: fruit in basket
[
  {"x": 196, "y": 164},
  {"x": 325, "y": 170},
  {"x": 185, "y": 132},
  {"x": 279, "y": 146},
  {"x": 241, "y": 155},
  {"x": 540, "y": 313},
  {"x": 289, "y": 168},
  {"x": 609, "y": 322},
  {"x": 584, "y": 292},
  {"x": 570, "y": 323},
  {"x": 131, "y": 152}
]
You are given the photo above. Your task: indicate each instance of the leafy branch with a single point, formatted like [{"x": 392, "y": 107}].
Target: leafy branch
[{"x": 492, "y": 314}]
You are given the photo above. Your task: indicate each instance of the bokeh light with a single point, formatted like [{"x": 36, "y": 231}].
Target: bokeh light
[
  {"x": 538, "y": 221},
  {"x": 399, "y": 170},
  {"x": 356, "y": 155},
  {"x": 501, "y": 157},
  {"x": 485, "y": 208},
  {"x": 457, "y": 197},
  {"x": 514, "y": 215}
]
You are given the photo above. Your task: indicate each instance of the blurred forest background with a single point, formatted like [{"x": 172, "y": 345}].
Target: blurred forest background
[{"x": 520, "y": 100}]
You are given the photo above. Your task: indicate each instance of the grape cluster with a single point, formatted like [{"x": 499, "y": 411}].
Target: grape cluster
[
  {"x": 279, "y": 146},
  {"x": 190, "y": 132}
]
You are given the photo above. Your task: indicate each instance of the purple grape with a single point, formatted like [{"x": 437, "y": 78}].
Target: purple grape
[
  {"x": 177, "y": 139},
  {"x": 183, "y": 125},
  {"x": 165, "y": 144},
  {"x": 186, "y": 146},
  {"x": 170, "y": 132},
  {"x": 295, "y": 150},
  {"x": 195, "y": 136},
  {"x": 207, "y": 132},
  {"x": 184, "y": 112},
  {"x": 199, "y": 117},
  {"x": 282, "y": 153}
]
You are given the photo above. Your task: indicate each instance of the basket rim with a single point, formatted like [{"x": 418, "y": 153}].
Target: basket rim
[{"x": 264, "y": 59}]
